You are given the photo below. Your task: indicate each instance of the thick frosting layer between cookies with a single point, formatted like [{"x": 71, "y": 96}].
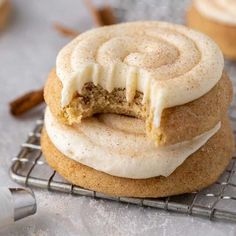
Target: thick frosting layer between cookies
[
  {"x": 220, "y": 10},
  {"x": 170, "y": 64},
  {"x": 117, "y": 145}
]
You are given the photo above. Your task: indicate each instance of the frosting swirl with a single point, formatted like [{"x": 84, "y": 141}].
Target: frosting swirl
[
  {"x": 117, "y": 145},
  {"x": 170, "y": 64},
  {"x": 219, "y": 10}
]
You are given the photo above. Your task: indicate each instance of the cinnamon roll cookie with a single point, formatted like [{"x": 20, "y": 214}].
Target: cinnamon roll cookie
[
  {"x": 4, "y": 12},
  {"x": 162, "y": 73},
  {"x": 139, "y": 109},
  {"x": 217, "y": 19}
]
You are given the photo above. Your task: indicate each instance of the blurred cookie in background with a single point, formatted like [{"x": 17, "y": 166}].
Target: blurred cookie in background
[
  {"x": 4, "y": 12},
  {"x": 218, "y": 20}
]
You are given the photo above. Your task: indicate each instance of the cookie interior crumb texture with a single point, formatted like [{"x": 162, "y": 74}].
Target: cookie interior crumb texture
[
  {"x": 171, "y": 65},
  {"x": 177, "y": 124},
  {"x": 166, "y": 75}
]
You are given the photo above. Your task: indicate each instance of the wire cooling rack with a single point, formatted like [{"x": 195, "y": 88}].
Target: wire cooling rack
[{"x": 217, "y": 202}]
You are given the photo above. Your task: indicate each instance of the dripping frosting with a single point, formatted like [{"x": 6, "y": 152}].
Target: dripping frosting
[{"x": 170, "y": 64}]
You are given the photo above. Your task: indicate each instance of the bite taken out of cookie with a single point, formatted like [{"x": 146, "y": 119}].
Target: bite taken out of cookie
[{"x": 139, "y": 109}]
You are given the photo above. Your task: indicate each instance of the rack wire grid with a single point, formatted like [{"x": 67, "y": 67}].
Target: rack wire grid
[{"x": 217, "y": 202}]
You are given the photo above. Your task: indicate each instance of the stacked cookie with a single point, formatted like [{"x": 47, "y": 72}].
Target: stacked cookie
[
  {"x": 140, "y": 110},
  {"x": 4, "y": 12},
  {"x": 217, "y": 19}
]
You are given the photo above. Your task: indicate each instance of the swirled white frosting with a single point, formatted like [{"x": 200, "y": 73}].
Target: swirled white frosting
[
  {"x": 220, "y": 10},
  {"x": 117, "y": 145},
  {"x": 170, "y": 64}
]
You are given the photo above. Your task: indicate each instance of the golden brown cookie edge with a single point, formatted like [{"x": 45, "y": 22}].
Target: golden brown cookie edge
[
  {"x": 178, "y": 123},
  {"x": 200, "y": 170},
  {"x": 223, "y": 34}
]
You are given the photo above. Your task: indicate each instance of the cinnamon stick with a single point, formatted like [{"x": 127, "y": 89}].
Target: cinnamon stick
[
  {"x": 26, "y": 102},
  {"x": 107, "y": 16},
  {"x": 94, "y": 13},
  {"x": 68, "y": 32},
  {"x": 103, "y": 16}
]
